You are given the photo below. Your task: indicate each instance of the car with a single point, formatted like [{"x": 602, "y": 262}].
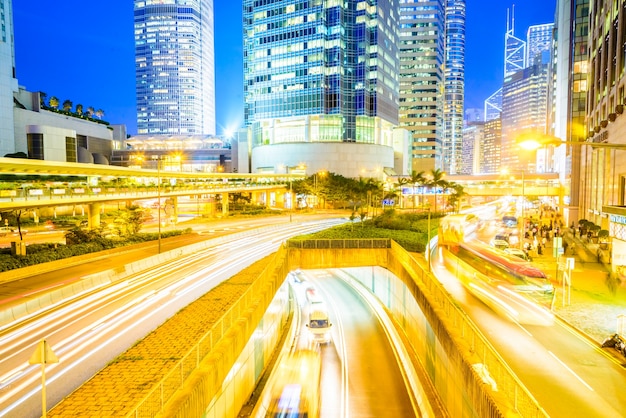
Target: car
[
  {"x": 5, "y": 230},
  {"x": 499, "y": 244},
  {"x": 518, "y": 253}
]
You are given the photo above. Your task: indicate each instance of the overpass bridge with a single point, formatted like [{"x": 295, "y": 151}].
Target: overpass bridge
[{"x": 96, "y": 185}]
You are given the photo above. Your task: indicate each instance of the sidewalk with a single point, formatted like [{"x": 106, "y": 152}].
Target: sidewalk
[{"x": 595, "y": 300}]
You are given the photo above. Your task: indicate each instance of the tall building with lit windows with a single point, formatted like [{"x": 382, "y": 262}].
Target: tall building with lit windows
[
  {"x": 8, "y": 81},
  {"x": 422, "y": 40},
  {"x": 321, "y": 84},
  {"x": 454, "y": 87},
  {"x": 538, "y": 42},
  {"x": 568, "y": 98},
  {"x": 514, "y": 48},
  {"x": 175, "y": 67}
]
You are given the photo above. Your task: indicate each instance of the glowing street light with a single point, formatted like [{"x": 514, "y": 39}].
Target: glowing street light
[{"x": 533, "y": 142}]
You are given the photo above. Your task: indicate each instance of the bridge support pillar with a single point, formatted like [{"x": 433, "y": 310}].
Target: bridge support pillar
[
  {"x": 93, "y": 215},
  {"x": 224, "y": 204},
  {"x": 174, "y": 209}
]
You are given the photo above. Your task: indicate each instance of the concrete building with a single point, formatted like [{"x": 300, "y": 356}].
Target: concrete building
[
  {"x": 8, "y": 80},
  {"x": 603, "y": 181},
  {"x": 175, "y": 67},
  {"x": 321, "y": 85},
  {"x": 29, "y": 128}
]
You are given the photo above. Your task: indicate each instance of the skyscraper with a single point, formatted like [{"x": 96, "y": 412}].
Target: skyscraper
[
  {"x": 538, "y": 42},
  {"x": 514, "y": 48},
  {"x": 320, "y": 73},
  {"x": 175, "y": 67},
  {"x": 493, "y": 105},
  {"x": 422, "y": 40},
  {"x": 569, "y": 96},
  {"x": 454, "y": 85},
  {"x": 8, "y": 81},
  {"x": 524, "y": 109}
]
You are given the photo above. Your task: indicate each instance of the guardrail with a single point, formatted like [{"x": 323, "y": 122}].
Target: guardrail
[{"x": 163, "y": 391}]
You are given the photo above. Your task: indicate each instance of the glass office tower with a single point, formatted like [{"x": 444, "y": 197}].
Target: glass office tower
[
  {"x": 422, "y": 40},
  {"x": 320, "y": 71},
  {"x": 175, "y": 67},
  {"x": 454, "y": 97}
]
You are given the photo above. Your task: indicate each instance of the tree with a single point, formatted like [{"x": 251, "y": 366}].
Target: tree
[
  {"x": 90, "y": 111},
  {"x": 398, "y": 186},
  {"x": 54, "y": 102},
  {"x": 67, "y": 105},
  {"x": 42, "y": 98},
  {"x": 99, "y": 113},
  {"x": 454, "y": 199},
  {"x": 79, "y": 109},
  {"x": 417, "y": 179},
  {"x": 435, "y": 181}
]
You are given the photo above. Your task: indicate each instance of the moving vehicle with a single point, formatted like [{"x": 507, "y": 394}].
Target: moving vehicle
[
  {"x": 516, "y": 252},
  {"x": 319, "y": 325},
  {"x": 509, "y": 221},
  {"x": 499, "y": 244},
  {"x": 507, "y": 284},
  {"x": 296, "y": 391},
  {"x": 454, "y": 229}
]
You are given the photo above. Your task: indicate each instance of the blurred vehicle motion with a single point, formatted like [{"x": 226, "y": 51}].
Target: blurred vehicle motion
[{"x": 296, "y": 391}]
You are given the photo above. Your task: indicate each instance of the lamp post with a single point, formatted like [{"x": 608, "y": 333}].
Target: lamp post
[{"x": 159, "y": 201}]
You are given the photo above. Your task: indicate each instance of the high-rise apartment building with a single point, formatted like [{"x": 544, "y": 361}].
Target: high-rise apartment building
[
  {"x": 175, "y": 67},
  {"x": 422, "y": 40},
  {"x": 8, "y": 81},
  {"x": 318, "y": 74},
  {"x": 454, "y": 85}
]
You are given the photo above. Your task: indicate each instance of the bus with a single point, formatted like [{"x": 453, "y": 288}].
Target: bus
[{"x": 456, "y": 229}]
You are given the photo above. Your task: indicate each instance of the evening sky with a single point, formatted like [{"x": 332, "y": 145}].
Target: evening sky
[{"x": 84, "y": 52}]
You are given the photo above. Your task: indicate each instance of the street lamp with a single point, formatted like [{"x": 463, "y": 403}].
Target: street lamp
[
  {"x": 159, "y": 201},
  {"x": 535, "y": 142}
]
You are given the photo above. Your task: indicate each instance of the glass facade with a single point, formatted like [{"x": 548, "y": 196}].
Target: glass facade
[
  {"x": 514, "y": 50},
  {"x": 422, "y": 39},
  {"x": 454, "y": 75},
  {"x": 317, "y": 71},
  {"x": 175, "y": 67}
]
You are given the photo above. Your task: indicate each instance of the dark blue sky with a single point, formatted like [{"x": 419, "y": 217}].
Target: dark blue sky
[{"x": 84, "y": 52}]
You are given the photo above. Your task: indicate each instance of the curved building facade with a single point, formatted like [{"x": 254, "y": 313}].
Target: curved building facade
[
  {"x": 175, "y": 67},
  {"x": 319, "y": 72}
]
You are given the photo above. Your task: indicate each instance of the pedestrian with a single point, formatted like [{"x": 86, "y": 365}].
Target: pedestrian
[{"x": 565, "y": 248}]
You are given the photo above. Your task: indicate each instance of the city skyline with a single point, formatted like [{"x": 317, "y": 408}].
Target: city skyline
[{"x": 93, "y": 62}]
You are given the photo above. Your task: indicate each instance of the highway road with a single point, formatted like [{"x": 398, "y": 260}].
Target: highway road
[
  {"x": 89, "y": 331},
  {"x": 360, "y": 374},
  {"x": 569, "y": 375}
]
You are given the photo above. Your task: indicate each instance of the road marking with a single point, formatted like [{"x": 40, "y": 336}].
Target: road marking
[{"x": 571, "y": 371}]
